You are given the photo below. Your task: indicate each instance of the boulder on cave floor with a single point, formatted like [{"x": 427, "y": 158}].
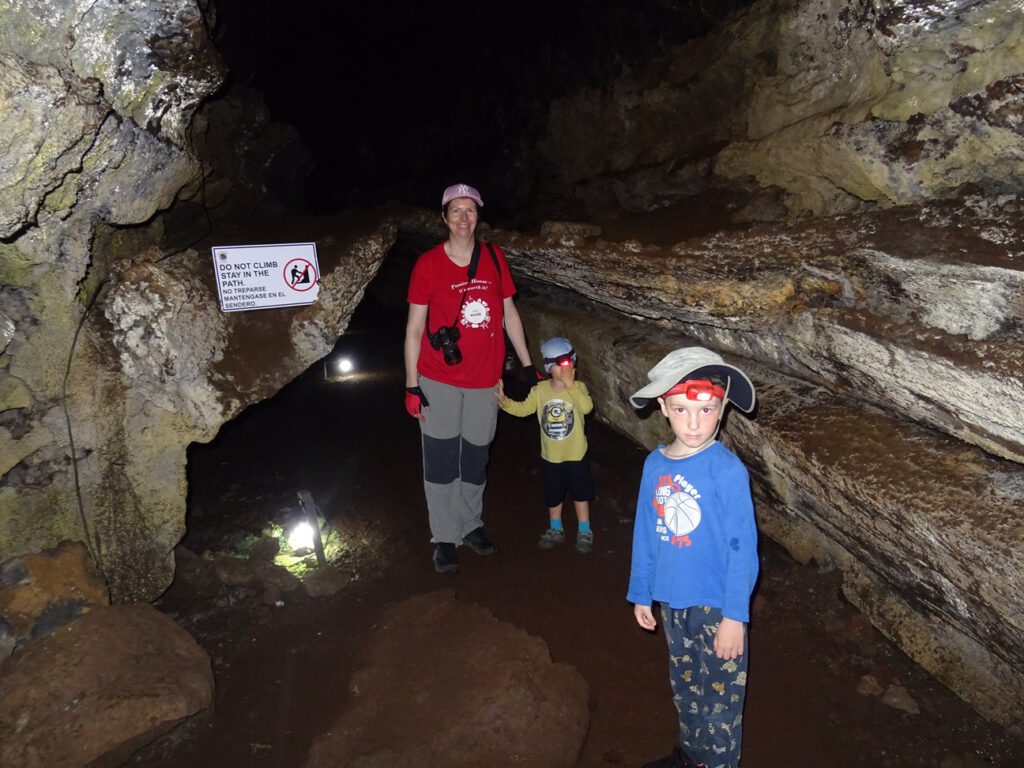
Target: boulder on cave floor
[
  {"x": 43, "y": 591},
  {"x": 99, "y": 688},
  {"x": 445, "y": 683}
]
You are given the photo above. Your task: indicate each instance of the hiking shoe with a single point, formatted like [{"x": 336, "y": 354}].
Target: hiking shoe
[
  {"x": 584, "y": 542},
  {"x": 552, "y": 537},
  {"x": 477, "y": 541},
  {"x": 445, "y": 558}
]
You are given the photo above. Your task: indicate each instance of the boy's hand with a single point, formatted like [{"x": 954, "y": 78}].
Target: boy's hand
[
  {"x": 499, "y": 391},
  {"x": 729, "y": 639},
  {"x": 564, "y": 374},
  {"x": 645, "y": 616}
]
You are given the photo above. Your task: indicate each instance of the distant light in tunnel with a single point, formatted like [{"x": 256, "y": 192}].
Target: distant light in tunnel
[
  {"x": 301, "y": 536},
  {"x": 345, "y": 365}
]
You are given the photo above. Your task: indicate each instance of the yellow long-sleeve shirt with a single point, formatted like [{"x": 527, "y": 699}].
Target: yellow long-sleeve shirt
[{"x": 561, "y": 419}]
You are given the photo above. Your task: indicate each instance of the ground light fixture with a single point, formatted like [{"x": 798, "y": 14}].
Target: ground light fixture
[
  {"x": 312, "y": 521},
  {"x": 301, "y": 535}
]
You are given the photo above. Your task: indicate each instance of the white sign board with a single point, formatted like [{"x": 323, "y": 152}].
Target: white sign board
[{"x": 265, "y": 276}]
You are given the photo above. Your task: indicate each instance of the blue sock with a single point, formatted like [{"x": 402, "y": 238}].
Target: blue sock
[
  {"x": 584, "y": 527},
  {"x": 556, "y": 524}
]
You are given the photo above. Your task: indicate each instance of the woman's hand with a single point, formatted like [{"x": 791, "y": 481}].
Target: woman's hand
[
  {"x": 499, "y": 391},
  {"x": 416, "y": 402},
  {"x": 532, "y": 374}
]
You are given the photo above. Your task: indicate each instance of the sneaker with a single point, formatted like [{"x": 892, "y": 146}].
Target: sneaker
[
  {"x": 445, "y": 558},
  {"x": 584, "y": 542},
  {"x": 552, "y": 537},
  {"x": 477, "y": 541},
  {"x": 678, "y": 759}
]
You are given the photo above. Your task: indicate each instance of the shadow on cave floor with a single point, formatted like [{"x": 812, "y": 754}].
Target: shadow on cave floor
[{"x": 283, "y": 671}]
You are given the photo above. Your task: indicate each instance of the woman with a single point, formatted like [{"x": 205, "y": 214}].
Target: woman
[{"x": 460, "y": 301}]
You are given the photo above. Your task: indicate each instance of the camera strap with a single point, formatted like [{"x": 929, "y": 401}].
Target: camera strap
[{"x": 474, "y": 264}]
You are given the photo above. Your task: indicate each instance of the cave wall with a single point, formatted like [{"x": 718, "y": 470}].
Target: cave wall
[
  {"x": 841, "y": 105},
  {"x": 121, "y": 153}
]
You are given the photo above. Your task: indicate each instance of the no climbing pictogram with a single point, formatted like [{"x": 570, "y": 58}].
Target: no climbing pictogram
[{"x": 300, "y": 275}]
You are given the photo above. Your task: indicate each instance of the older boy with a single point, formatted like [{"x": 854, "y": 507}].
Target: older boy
[
  {"x": 695, "y": 553},
  {"x": 560, "y": 403}
]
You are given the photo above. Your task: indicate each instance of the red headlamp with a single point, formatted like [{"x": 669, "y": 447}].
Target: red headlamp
[
  {"x": 563, "y": 361},
  {"x": 700, "y": 390}
]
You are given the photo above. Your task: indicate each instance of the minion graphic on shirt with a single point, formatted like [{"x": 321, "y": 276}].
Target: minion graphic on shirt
[{"x": 557, "y": 419}]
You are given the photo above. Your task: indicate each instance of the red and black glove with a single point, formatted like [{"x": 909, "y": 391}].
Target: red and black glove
[
  {"x": 532, "y": 375},
  {"x": 415, "y": 400}
]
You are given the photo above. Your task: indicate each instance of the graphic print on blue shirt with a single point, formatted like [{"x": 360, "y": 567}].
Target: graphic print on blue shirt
[
  {"x": 678, "y": 509},
  {"x": 710, "y": 560}
]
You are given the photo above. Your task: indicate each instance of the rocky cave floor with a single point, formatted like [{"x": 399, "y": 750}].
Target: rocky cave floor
[
  {"x": 825, "y": 687},
  {"x": 283, "y": 665}
]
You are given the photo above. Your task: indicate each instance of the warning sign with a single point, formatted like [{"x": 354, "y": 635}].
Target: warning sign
[{"x": 265, "y": 276}]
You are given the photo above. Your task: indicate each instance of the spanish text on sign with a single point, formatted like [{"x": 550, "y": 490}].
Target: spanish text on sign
[{"x": 266, "y": 276}]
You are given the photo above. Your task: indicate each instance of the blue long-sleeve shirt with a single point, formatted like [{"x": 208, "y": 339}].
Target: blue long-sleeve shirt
[{"x": 694, "y": 537}]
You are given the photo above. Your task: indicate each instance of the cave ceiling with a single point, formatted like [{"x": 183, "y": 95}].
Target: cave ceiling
[{"x": 371, "y": 86}]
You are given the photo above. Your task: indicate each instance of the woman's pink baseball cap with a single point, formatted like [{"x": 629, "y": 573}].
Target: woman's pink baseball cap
[{"x": 461, "y": 190}]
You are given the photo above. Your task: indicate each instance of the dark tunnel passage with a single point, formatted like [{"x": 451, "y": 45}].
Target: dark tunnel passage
[
  {"x": 398, "y": 99},
  {"x": 285, "y": 661}
]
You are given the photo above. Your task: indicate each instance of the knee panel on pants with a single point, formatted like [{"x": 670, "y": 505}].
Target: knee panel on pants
[
  {"x": 474, "y": 463},
  {"x": 441, "y": 459}
]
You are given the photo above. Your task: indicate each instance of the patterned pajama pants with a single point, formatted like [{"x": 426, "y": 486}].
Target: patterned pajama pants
[
  {"x": 708, "y": 691},
  {"x": 457, "y": 430}
]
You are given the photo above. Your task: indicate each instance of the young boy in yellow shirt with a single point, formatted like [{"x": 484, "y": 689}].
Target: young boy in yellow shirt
[{"x": 560, "y": 403}]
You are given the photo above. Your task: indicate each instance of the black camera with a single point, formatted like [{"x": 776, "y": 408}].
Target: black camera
[{"x": 446, "y": 339}]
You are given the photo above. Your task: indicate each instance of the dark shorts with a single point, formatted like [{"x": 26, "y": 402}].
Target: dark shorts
[{"x": 572, "y": 477}]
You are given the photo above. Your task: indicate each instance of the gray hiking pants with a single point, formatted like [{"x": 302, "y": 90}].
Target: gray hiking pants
[{"x": 457, "y": 430}]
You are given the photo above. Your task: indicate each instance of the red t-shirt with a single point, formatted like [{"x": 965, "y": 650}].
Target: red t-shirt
[{"x": 437, "y": 282}]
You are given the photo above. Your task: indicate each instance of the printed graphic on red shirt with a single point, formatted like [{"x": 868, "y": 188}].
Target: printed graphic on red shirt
[
  {"x": 476, "y": 313},
  {"x": 678, "y": 509}
]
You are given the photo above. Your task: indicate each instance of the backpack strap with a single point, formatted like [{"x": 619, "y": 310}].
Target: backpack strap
[{"x": 494, "y": 258}]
